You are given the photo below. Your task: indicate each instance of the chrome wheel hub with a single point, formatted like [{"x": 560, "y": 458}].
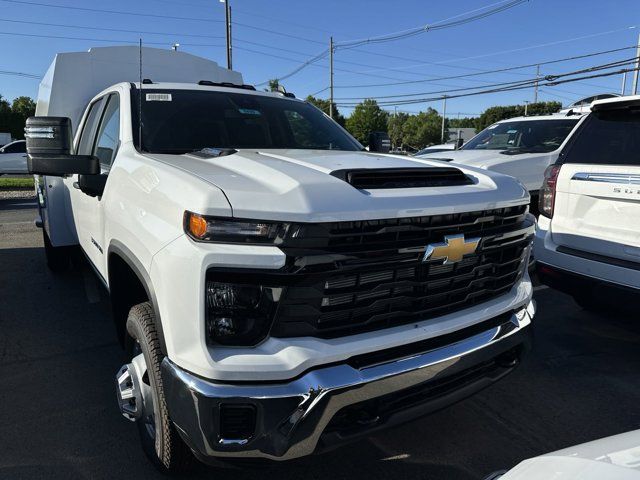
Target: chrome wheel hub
[{"x": 133, "y": 390}]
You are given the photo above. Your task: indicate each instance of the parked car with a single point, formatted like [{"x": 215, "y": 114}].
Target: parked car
[
  {"x": 445, "y": 147},
  {"x": 610, "y": 458},
  {"x": 279, "y": 290},
  {"x": 13, "y": 158},
  {"x": 587, "y": 242},
  {"x": 521, "y": 147}
]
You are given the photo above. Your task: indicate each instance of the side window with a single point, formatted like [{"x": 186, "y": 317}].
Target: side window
[
  {"x": 85, "y": 145},
  {"x": 108, "y": 132},
  {"x": 16, "y": 147}
]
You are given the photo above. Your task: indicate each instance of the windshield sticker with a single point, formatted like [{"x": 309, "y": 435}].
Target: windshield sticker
[
  {"x": 512, "y": 131},
  {"x": 249, "y": 111},
  {"x": 158, "y": 97}
]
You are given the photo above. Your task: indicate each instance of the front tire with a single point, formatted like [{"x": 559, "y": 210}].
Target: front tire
[
  {"x": 58, "y": 258},
  {"x": 160, "y": 440}
]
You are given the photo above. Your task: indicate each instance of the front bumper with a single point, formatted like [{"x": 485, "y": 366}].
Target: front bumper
[{"x": 337, "y": 403}]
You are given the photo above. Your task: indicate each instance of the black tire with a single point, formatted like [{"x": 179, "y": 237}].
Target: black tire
[
  {"x": 58, "y": 258},
  {"x": 163, "y": 445}
]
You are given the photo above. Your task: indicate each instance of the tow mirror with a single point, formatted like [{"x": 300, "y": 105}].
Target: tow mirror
[
  {"x": 379, "y": 142},
  {"x": 49, "y": 144}
]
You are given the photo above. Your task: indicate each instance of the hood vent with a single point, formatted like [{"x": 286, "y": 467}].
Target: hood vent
[{"x": 379, "y": 178}]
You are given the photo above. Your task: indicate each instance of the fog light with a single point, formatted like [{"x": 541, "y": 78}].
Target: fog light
[{"x": 239, "y": 314}]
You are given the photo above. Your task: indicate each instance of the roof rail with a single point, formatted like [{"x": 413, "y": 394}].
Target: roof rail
[{"x": 209, "y": 83}]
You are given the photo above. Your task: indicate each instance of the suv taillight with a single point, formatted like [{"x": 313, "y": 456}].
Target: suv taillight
[{"x": 547, "y": 198}]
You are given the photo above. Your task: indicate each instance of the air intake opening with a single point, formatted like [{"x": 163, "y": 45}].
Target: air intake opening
[
  {"x": 380, "y": 178},
  {"x": 237, "y": 422}
]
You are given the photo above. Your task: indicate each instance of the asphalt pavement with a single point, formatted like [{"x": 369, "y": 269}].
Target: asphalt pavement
[{"x": 59, "y": 419}]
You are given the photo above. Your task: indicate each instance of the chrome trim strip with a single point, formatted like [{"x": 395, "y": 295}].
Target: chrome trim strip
[
  {"x": 318, "y": 395},
  {"x": 627, "y": 179}
]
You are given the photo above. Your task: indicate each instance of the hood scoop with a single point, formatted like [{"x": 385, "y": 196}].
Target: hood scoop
[{"x": 381, "y": 178}]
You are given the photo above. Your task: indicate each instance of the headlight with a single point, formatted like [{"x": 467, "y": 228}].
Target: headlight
[
  {"x": 239, "y": 314},
  {"x": 225, "y": 230}
]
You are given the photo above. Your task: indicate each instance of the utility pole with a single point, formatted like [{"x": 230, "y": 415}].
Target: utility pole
[
  {"x": 535, "y": 90},
  {"x": 444, "y": 115},
  {"x": 624, "y": 83},
  {"x": 526, "y": 104},
  {"x": 634, "y": 91},
  {"x": 227, "y": 10},
  {"x": 331, "y": 77}
]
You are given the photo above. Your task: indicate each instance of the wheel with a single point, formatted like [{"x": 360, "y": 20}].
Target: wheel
[
  {"x": 58, "y": 258},
  {"x": 144, "y": 402}
]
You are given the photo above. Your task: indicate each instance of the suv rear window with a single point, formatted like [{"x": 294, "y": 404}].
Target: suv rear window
[{"x": 608, "y": 137}]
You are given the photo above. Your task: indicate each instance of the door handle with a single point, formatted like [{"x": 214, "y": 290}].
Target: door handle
[{"x": 76, "y": 185}]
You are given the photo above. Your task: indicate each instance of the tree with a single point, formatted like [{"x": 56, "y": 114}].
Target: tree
[
  {"x": 21, "y": 109},
  {"x": 395, "y": 124},
  {"x": 273, "y": 85},
  {"x": 423, "y": 129},
  {"x": 367, "y": 117},
  {"x": 495, "y": 114},
  {"x": 323, "y": 105},
  {"x": 5, "y": 115},
  {"x": 466, "y": 122}
]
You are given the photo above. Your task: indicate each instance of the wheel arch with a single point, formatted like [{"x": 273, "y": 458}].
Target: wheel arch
[{"x": 129, "y": 284}]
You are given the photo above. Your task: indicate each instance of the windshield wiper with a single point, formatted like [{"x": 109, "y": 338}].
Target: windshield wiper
[{"x": 520, "y": 150}]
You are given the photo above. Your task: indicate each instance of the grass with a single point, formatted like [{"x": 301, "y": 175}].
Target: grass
[{"x": 16, "y": 182}]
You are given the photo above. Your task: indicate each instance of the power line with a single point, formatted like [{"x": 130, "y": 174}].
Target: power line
[
  {"x": 529, "y": 82},
  {"x": 119, "y": 30},
  {"x": 428, "y": 28},
  {"x": 486, "y": 72},
  {"x": 114, "y": 12},
  {"x": 107, "y": 40},
  {"x": 416, "y": 31},
  {"x": 21, "y": 74},
  {"x": 497, "y": 90}
]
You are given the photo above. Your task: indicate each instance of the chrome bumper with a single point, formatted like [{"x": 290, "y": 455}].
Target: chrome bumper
[{"x": 292, "y": 418}]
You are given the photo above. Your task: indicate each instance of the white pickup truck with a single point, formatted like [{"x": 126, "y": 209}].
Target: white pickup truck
[{"x": 278, "y": 289}]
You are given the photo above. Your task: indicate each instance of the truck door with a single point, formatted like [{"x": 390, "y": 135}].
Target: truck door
[
  {"x": 597, "y": 211},
  {"x": 100, "y": 137}
]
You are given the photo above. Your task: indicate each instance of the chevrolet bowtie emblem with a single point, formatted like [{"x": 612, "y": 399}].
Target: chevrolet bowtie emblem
[{"x": 452, "y": 250}]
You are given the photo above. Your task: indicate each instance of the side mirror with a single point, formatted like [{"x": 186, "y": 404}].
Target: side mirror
[
  {"x": 379, "y": 142},
  {"x": 49, "y": 143},
  {"x": 92, "y": 185}
]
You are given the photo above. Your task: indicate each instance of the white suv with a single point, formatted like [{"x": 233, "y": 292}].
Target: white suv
[
  {"x": 588, "y": 237},
  {"x": 521, "y": 147}
]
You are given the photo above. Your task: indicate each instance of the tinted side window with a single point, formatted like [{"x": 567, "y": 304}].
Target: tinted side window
[
  {"x": 85, "y": 146},
  {"x": 607, "y": 138},
  {"x": 17, "y": 147},
  {"x": 108, "y": 132}
]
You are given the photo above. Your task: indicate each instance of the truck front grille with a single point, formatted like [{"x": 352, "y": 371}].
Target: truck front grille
[{"x": 345, "y": 278}]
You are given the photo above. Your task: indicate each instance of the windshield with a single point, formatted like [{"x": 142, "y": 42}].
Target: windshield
[
  {"x": 525, "y": 136},
  {"x": 182, "y": 121}
]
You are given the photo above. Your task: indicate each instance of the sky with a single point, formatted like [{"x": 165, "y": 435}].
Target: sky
[{"x": 273, "y": 37}]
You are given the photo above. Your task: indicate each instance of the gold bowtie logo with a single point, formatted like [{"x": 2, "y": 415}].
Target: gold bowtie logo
[{"x": 452, "y": 250}]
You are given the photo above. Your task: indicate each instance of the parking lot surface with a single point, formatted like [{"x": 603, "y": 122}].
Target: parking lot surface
[{"x": 59, "y": 419}]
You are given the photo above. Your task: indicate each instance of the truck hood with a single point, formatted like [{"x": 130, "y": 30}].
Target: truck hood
[
  {"x": 479, "y": 158},
  {"x": 297, "y": 185}
]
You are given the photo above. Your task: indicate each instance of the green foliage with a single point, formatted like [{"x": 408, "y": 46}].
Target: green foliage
[
  {"x": 16, "y": 182},
  {"x": 324, "y": 106},
  {"x": 495, "y": 114},
  {"x": 367, "y": 117},
  {"x": 395, "y": 125},
  {"x": 13, "y": 116},
  {"x": 273, "y": 85},
  {"x": 422, "y": 129},
  {"x": 466, "y": 122}
]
